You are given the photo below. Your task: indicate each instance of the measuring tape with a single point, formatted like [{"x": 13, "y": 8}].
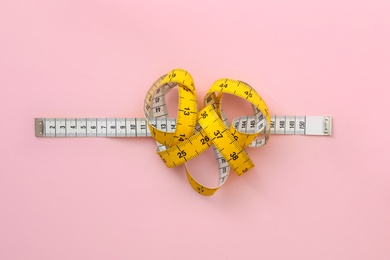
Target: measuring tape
[{"x": 193, "y": 132}]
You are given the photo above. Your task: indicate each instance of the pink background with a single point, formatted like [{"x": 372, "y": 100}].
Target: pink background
[{"x": 307, "y": 198}]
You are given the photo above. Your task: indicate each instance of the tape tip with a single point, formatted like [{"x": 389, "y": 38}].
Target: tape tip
[
  {"x": 318, "y": 125},
  {"x": 39, "y": 127},
  {"x": 328, "y": 125}
]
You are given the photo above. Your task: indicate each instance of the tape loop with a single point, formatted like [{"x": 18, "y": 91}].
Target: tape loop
[{"x": 195, "y": 131}]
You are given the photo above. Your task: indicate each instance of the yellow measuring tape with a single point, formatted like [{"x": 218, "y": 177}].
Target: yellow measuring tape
[
  {"x": 196, "y": 131},
  {"x": 193, "y": 132}
]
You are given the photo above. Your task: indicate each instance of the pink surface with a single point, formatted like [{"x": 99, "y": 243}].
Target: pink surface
[{"x": 307, "y": 198}]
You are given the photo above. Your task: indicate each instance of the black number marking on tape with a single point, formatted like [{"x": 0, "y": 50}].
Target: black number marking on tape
[
  {"x": 248, "y": 94},
  {"x": 205, "y": 140},
  {"x": 234, "y": 156},
  {"x": 186, "y": 111},
  {"x": 218, "y": 134},
  {"x": 181, "y": 154},
  {"x": 204, "y": 114}
]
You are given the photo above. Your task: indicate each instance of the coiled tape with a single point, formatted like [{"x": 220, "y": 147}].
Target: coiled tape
[{"x": 193, "y": 132}]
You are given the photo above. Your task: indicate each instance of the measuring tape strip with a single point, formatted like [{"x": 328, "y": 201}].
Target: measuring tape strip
[
  {"x": 191, "y": 133},
  {"x": 137, "y": 127}
]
